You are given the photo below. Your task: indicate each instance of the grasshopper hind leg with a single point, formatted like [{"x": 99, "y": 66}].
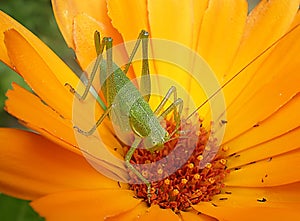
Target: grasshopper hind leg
[{"x": 176, "y": 107}]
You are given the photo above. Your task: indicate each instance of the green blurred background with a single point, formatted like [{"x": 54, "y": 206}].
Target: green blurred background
[{"x": 37, "y": 16}]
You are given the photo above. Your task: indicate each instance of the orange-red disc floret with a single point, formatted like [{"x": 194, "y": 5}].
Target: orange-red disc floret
[{"x": 192, "y": 182}]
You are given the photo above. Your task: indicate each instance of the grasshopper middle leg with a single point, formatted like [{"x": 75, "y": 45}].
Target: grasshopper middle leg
[{"x": 128, "y": 157}]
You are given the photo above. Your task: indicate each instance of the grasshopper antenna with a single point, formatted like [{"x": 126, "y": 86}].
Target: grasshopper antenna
[
  {"x": 236, "y": 75},
  {"x": 245, "y": 67}
]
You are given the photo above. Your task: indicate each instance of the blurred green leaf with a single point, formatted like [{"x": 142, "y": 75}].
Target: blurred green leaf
[{"x": 12, "y": 209}]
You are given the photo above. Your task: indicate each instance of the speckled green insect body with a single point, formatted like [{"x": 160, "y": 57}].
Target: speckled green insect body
[{"x": 126, "y": 105}]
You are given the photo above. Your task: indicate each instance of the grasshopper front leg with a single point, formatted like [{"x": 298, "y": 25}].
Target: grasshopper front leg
[
  {"x": 99, "y": 50},
  {"x": 106, "y": 42},
  {"x": 99, "y": 121},
  {"x": 128, "y": 157}
]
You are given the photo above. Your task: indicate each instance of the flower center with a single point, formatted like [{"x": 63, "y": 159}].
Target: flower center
[{"x": 194, "y": 181}]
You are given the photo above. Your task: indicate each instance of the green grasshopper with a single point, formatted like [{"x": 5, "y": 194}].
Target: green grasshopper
[{"x": 144, "y": 122}]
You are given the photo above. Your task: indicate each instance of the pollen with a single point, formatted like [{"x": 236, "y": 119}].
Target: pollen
[
  {"x": 160, "y": 171},
  {"x": 191, "y": 165},
  {"x": 225, "y": 148},
  {"x": 200, "y": 157},
  {"x": 223, "y": 161},
  {"x": 211, "y": 180},
  {"x": 175, "y": 192},
  {"x": 184, "y": 181},
  {"x": 197, "y": 176},
  {"x": 191, "y": 182},
  {"x": 167, "y": 181},
  {"x": 208, "y": 165}
]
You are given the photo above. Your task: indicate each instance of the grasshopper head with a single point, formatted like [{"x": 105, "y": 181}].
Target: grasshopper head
[{"x": 154, "y": 142}]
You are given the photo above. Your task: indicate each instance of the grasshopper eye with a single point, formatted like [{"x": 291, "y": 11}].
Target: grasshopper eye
[{"x": 167, "y": 134}]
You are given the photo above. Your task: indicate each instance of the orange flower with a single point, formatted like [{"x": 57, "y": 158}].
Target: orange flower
[{"x": 261, "y": 142}]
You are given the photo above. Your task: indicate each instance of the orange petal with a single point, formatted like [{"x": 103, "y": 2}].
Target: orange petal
[
  {"x": 141, "y": 209},
  {"x": 270, "y": 87},
  {"x": 199, "y": 8},
  {"x": 32, "y": 166},
  {"x": 282, "y": 121},
  {"x": 219, "y": 38},
  {"x": 266, "y": 23},
  {"x": 37, "y": 73},
  {"x": 172, "y": 46},
  {"x": 128, "y": 24},
  {"x": 171, "y": 12},
  {"x": 65, "y": 11},
  {"x": 54, "y": 63},
  {"x": 276, "y": 203},
  {"x": 131, "y": 214},
  {"x": 279, "y": 145},
  {"x": 35, "y": 112},
  {"x": 195, "y": 216},
  {"x": 250, "y": 213},
  {"x": 279, "y": 196},
  {"x": 43, "y": 119},
  {"x": 156, "y": 213},
  {"x": 217, "y": 49},
  {"x": 279, "y": 170},
  {"x": 8, "y": 23},
  {"x": 84, "y": 28},
  {"x": 85, "y": 205}
]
